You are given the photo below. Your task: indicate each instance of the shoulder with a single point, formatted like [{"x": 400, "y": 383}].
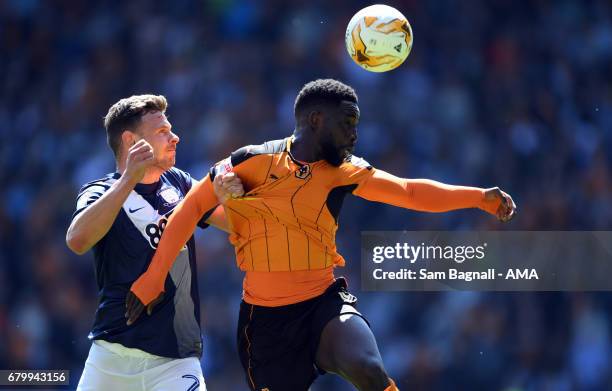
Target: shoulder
[
  {"x": 356, "y": 163},
  {"x": 93, "y": 190},
  {"x": 354, "y": 170},
  {"x": 178, "y": 178},
  {"x": 99, "y": 185},
  {"x": 177, "y": 173},
  {"x": 249, "y": 154},
  {"x": 249, "y": 151}
]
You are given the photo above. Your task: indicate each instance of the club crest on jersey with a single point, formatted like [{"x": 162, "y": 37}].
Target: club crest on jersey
[
  {"x": 169, "y": 195},
  {"x": 303, "y": 172}
]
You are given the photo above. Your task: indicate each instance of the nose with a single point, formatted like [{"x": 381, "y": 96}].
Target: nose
[{"x": 174, "y": 138}]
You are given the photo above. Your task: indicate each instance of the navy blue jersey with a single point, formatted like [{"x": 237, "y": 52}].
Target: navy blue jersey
[{"x": 124, "y": 253}]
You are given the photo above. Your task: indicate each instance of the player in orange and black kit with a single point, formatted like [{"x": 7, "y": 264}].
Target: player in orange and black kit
[{"x": 296, "y": 318}]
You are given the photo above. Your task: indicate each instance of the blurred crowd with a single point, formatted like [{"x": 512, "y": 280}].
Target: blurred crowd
[{"x": 495, "y": 93}]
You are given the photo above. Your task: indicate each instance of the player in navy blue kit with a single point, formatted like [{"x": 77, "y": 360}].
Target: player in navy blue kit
[{"x": 122, "y": 217}]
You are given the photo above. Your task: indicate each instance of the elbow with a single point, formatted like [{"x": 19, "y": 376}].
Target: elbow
[{"x": 76, "y": 244}]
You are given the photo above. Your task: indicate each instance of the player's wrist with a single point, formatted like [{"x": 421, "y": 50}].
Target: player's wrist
[
  {"x": 147, "y": 288},
  {"x": 488, "y": 204},
  {"x": 129, "y": 180}
]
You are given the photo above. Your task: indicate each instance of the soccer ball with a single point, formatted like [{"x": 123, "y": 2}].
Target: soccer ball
[{"x": 378, "y": 38}]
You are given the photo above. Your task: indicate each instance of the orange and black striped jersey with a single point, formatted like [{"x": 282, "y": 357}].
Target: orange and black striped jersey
[
  {"x": 287, "y": 221},
  {"x": 284, "y": 227},
  {"x": 288, "y": 217}
]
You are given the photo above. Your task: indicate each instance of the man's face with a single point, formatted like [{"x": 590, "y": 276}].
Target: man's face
[
  {"x": 338, "y": 132},
  {"x": 156, "y": 130}
]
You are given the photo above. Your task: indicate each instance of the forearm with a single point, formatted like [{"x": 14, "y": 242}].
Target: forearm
[
  {"x": 179, "y": 229},
  {"x": 423, "y": 194},
  {"x": 218, "y": 220},
  {"x": 432, "y": 196},
  {"x": 89, "y": 226}
]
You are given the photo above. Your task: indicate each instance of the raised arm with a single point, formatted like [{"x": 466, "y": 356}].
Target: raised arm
[
  {"x": 431, "y": 196},
  {"x": 179, "y": 229},
  {"x": 92, "y": 221}
]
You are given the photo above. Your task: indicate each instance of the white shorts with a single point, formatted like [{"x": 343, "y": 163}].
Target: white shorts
[{"x": 113, "y": 367}]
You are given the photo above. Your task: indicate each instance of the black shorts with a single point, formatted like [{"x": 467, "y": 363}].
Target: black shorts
[{"x": 278, "y": 345}]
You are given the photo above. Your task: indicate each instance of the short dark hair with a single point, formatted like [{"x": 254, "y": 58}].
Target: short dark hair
[
  {"x": 323, "y": 91},
  {"x": 126, "y": 115}
]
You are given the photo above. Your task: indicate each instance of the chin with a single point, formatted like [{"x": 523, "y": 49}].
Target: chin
[{"x": 334, "y": 156}]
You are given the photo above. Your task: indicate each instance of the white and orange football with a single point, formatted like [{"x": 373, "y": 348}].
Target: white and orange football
[{"x": 378, "y": 38}]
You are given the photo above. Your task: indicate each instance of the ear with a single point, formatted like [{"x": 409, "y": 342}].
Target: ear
[
  {"x": 128, "y": 138},
  {"x": 315, "y": 119}
]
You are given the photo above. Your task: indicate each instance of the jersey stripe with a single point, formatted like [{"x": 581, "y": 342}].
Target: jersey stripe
[
  {"x": 267, "y": 249},
  {"x": 288, "y": 248},
  {"x": 248, "y": 240}
]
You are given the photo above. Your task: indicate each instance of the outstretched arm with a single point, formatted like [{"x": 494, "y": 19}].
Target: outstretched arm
[
  {"x": 431, "y": 196},
  {"x": 226, "y": 186},
  {"x": 179, "y": 229}
]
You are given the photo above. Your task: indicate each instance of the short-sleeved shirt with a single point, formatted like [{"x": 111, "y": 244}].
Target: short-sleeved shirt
[
  {"x": 288, "y": 218},
  {"x": 124, "y": 253}
]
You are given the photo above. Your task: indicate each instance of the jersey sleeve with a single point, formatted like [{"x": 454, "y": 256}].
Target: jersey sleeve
[
  {"x": 186, "y": 182},
  {"x": 88, "y": 194},
  {"x": 423, "y": 194},
  {"x": 251, "y": 164},
  {"x": 191, "y": 183},
  {"x": 179, "y": 229},
  {"x": 355, "y": 173}
]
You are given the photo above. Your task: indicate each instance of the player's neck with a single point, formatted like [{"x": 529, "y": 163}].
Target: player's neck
[
  {"x": 304, "y": 148},
  {"x": 151, "y": 176}
]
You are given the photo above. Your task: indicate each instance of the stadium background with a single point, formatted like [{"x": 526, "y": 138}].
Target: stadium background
[{"x": 507, "y": 93}]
